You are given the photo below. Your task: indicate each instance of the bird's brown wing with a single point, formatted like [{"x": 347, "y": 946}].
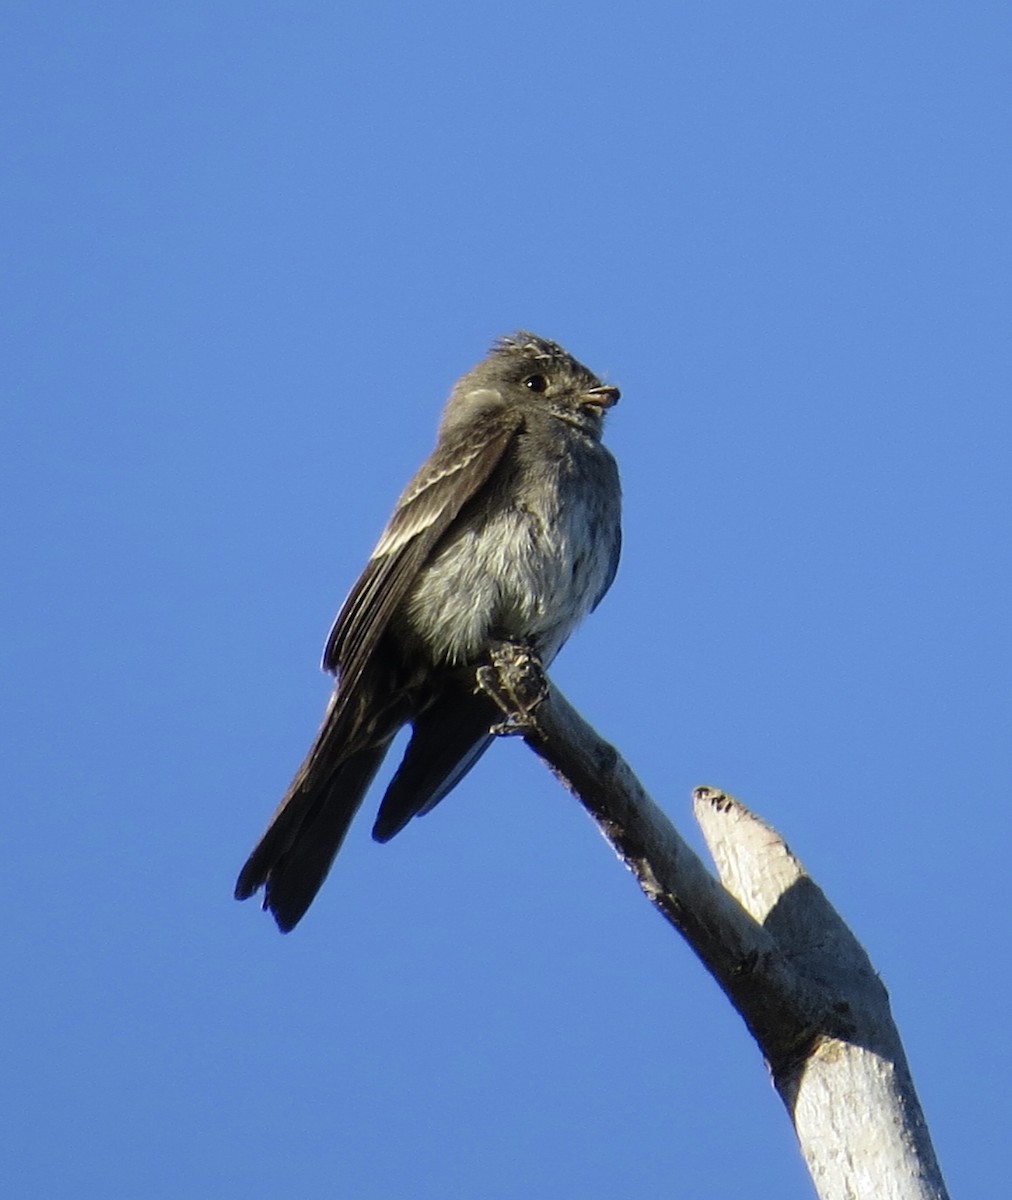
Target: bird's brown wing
[
  {"x": 455, "y": 473},
  {"x": 295, "y": 853}
]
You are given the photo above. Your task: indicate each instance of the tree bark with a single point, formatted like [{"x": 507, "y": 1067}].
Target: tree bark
[{"x": 766, "y": 933}]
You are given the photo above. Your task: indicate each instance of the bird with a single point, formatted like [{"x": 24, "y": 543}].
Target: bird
[{"x": 509, "y": 532}]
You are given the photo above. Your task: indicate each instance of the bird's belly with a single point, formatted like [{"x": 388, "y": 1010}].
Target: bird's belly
[{"x": 519, "y": 575}]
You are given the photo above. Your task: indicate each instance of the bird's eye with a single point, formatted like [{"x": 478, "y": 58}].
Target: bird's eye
[{"x": 536, "y": 383}]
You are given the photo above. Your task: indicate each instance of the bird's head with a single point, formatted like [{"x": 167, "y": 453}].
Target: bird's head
[{"x": 533, "y": 373}]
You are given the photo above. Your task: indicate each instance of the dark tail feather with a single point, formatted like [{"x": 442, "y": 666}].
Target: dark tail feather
[
  {"x": 447, "y": 740},
  {"x": 293, "y": 857}
]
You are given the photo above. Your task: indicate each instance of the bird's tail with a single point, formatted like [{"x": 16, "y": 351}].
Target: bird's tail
[
  {"x": 293, "y": 857},
  {"x": 448, "y": 738}
]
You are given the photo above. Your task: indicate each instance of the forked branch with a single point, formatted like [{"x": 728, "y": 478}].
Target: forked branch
[{"x": 787, "y": 962}]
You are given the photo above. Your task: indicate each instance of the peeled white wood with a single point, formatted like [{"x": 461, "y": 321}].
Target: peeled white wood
[
  {"x": 796, "y": 974},
  {"x": 851, "y": 1097}
]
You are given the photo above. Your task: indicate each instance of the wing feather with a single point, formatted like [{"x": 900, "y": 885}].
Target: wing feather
[{"x": 455, "y": 473}]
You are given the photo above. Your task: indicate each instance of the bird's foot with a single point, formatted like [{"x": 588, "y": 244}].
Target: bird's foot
[{"x": 515, "y": 681}]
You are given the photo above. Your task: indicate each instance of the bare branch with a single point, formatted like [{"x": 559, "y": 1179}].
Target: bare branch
[{"x": 801, "y": 982}]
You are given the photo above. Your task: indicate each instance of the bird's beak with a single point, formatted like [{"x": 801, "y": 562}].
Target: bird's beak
[{"x": 600, "y": 397}]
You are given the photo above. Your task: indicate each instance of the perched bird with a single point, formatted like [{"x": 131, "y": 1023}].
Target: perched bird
[{"x": 509, "y": 532}]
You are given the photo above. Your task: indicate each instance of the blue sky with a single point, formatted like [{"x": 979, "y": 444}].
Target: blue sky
[{"x": 248, "y": 249}]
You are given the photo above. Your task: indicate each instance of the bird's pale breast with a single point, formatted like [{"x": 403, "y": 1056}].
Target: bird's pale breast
[{"x": 529, "y": 568}]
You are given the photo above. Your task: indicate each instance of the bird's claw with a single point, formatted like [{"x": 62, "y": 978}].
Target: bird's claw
[{"x": 514, "y": 680}]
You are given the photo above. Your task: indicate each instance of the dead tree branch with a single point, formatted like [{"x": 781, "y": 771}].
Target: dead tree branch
[{"x": 790, "y": 966}]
